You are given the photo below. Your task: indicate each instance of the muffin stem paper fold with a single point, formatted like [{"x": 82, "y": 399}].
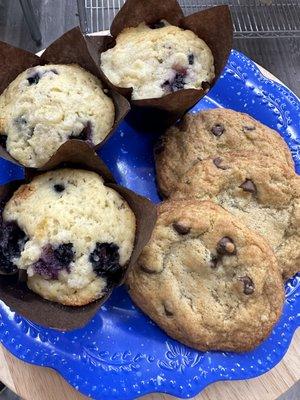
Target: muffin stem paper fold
[{"x": 205, "y": 24}]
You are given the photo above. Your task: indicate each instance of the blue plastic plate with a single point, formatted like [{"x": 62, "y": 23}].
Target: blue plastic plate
[{"x": 121, "y": 354}]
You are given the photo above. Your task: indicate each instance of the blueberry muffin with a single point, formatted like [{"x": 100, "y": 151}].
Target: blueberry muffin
[
  {"x": 157, "y": 60},
  {"x": 75, "y": 235},
  {"x": 260, "y": 191},
  {"x": 47, "y": 105},
  {"x": 206, "y": 279},
  {"x": 211, "y": 133}
]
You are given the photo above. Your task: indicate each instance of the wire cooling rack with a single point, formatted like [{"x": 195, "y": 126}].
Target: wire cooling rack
[{"x": 251, "y": 18}]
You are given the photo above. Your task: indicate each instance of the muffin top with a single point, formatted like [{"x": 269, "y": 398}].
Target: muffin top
[
  {"x": 77, "y": 235},
  {"x": 47, "y": 105},
  {"x": 157, "y": 60}
]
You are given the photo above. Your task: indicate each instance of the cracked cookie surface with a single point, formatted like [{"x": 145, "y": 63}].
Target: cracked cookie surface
[
  {"x": 77, "y": 235},
  {"x": 157, "y": 60},
  {"x": 47, "y": 105},
  {"x": 260, "y": 191},
  {"x": 211, "y": 133},
  {"x": 206, "y": 279}
]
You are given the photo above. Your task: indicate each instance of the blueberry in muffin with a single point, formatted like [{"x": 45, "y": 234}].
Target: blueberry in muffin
[
  {"x": 73, "y": 235},
  {"x": 47, "y": 105},
  {"x": 158, "y": 59}
]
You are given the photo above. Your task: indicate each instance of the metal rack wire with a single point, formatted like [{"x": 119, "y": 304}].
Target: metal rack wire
[{"x": 251, "y": 18}]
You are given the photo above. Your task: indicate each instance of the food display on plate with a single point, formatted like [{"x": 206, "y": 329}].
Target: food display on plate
[{"x": 209, "y": 263}]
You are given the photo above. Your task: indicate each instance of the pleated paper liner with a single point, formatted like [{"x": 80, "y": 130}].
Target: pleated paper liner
[
  {"x": 13, "y": 289},
  {"x": 213, "y": 25},
  {"x": 70, "y": 48}
]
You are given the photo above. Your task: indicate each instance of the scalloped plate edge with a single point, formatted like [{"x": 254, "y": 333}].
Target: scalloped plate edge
[{"x": 210, "y": 379}]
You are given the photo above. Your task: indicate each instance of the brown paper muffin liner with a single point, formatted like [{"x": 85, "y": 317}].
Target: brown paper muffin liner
[
  {"x": 13, "y": 289},
  {"x": 213, "y": 25},
  {"x": 70, "y": 48}
]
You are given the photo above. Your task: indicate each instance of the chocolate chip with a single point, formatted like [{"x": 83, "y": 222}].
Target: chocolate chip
[
  {"x": 3, "y": 140},
  {"x": 248, "y": 284},
  {"x": 168, "y": 308},
  {"x": 214, "y": 261},
  {"x": 226, "y": 246},
  {"x": 205, "y": 86},
  {"x": 248, "y": 186},
  {"x": 157, "y": 25},
  {"x": 218, "y": 161},
  {"x": 249, "y": 128},
  {"x": 147, "y": 270},
  {"x": 218, "y": 129},
  {"x": 181, "y": 229},
  {"x": 59, "y": 188},
  {"x": 34, "y": 79},
  {"x": 191, "y": 59}
]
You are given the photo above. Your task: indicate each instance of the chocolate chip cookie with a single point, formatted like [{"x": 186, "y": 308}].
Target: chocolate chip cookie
[
  {"x": 71, "y": 233},
  {"x": 208, "y": 134},
  {"x": 206, "y": 279},
  {"x": 262, "y": 192}
]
